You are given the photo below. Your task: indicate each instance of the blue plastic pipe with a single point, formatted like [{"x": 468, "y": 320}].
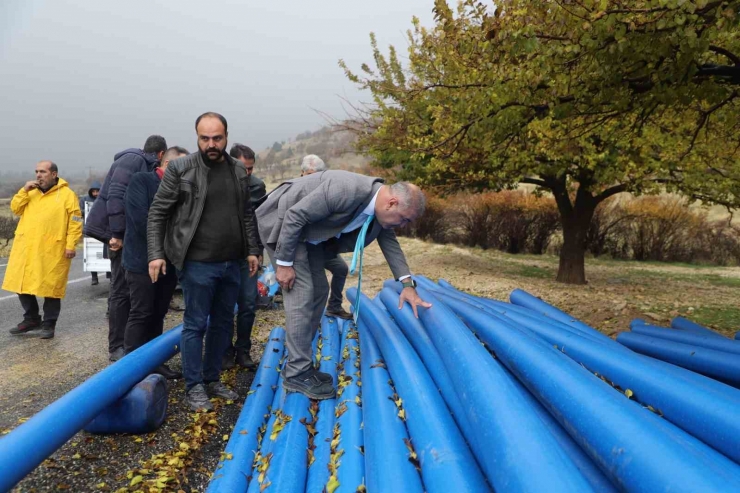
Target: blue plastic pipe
[
  {"x": 387, "y": 464},
  {"x": 32, "y": 442},
  {"x": 719, "y": 365},
  {"x": 506, "y": 429},
  {"x": 231, "y": 474},
  {"x": 591, "y": 472},
  {"x": 686, "y": 337},
  {"x": 522, "y": 298},
  {"x": 447, "y": 464},
  {"x": 703, "y": 407},
  {"x": 418, "y": 336},
  {"x": 351, "y": 470},
  {"x": 288, "y": 466},
  {"x": 318, "y": 473},
  {"x": 686, "y": 324},
  {"x": 424, "y": 347},
  {"x": 268, "y": 444},
  {"x": 520, "y": 312},
  {"x": 637, "y": 449}
]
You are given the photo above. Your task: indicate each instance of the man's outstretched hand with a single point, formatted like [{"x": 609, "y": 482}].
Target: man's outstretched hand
[
  {"x": 285, "y": 277},
  {"x": 410, "y": 296}
]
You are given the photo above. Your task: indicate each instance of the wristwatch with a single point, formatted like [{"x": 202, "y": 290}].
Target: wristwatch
[{"x": 408, "y": 283}]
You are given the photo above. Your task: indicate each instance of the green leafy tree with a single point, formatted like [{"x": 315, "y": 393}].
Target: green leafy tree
[{"x": 583, "y": 98}]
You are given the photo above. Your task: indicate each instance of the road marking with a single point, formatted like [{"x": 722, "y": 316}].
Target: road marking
[
  {"x": 68, "y": 282},
  {"x": 4, "y": 265}
]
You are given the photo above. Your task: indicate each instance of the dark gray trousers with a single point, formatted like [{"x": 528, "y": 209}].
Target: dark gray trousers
[
  {"x": 304, "y": 304},
  {"x": 339, "y": 271}
]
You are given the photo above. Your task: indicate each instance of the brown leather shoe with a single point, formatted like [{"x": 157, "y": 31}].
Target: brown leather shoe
[{"x": 341, "y": 313}]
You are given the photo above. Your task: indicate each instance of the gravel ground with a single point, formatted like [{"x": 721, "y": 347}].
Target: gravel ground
[{"x": 185, "y": 449}]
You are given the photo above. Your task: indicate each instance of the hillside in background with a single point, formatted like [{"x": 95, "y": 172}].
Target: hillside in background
[{"x": 282, "y": 161}]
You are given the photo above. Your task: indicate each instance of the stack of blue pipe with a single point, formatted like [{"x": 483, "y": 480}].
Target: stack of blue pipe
[
  {"x": 480, "y": 395},
  {"x": 688, "y": 345}
]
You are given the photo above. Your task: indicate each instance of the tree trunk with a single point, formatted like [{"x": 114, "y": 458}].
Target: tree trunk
[
  {"x": 575, "y": 218},
  {"x": 572, "y": 269}
]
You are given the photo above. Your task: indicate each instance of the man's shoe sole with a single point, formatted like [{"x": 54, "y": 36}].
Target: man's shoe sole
[
  {"x": 47, "y": 336},
  {"x": 339, "y": 315},
  {"x": 311, "y": 395},
  {"x": 16, "y": 332}
]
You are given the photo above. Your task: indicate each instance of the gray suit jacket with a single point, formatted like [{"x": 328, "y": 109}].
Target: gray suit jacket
[{"x": 318, "y": 207}]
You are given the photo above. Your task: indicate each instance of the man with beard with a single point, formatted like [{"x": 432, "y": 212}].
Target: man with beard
[
  {"x": 150, "y": 301},
  {"x": 43, "y": 248},
  {"x": 107, "y": 223},
  {"x": 202, "y": 220}
]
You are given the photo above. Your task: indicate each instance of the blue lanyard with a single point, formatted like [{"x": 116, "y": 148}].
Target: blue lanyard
[{"x": 359, "y": 249}]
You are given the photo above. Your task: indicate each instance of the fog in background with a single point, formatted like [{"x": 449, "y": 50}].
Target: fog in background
[{"x": 82, "y": 80}]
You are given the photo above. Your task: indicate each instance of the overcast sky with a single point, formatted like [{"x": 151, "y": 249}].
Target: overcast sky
[{"x": 83, "y": 79}]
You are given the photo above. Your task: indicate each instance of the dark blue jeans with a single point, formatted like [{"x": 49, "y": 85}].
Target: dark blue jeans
[
  {"x": 210, "y": 289},
  {"x": 247, "y": 306}
]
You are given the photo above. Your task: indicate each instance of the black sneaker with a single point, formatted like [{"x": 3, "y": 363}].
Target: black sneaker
[
  {"x": 324, "y": 377},
  {"x": 47, "y": 331},
  {"x": 217, "y": 389},
  {"x": 309, "y": 384},
  {"x": 197, "y": 399},
  {"x": 27, "y": 325},
  {"x": 244, "y": 360},
  {"x": 341, "y": 313}
]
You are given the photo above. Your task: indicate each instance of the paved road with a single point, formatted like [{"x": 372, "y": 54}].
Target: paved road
[{"x": 34, "y": 372}]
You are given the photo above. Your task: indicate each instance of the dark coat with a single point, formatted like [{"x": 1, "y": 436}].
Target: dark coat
[
  {"x": 107, "y": 217},
  {"x": 139, "y": 197},
  {"x": 88, "y": 198}
]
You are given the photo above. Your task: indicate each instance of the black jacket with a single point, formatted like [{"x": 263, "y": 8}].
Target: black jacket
[
  {"x": 88, "y": 198},
  {"x": 257, "y": 191},
  {"x": 139, "y": 197},
  {"x": 178, "y": 205},
  {"x": 107, "y": 217}
]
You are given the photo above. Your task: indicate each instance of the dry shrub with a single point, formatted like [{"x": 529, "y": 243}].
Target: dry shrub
[
  {"x": 433, "y": 225},
  {"x": 7, "y": 229},
  {"x": 661, "y": 228},
  {"x": 512, "y": 221}
]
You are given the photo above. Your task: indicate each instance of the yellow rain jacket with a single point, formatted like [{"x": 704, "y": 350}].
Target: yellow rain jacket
[{"x": 50, "y": 223}]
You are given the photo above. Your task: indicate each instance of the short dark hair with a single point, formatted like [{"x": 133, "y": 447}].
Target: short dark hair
[
  {"x": 53, "y": 167},
  {"x": 212, "y": 114},
  {"x": 155, "y": 144},
  {"x": 241, "y": 151},
  {"x": 174, "y": 151}
]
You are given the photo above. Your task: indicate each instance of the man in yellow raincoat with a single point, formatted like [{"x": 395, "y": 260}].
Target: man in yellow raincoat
[{"x": 43, "y": 247}]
